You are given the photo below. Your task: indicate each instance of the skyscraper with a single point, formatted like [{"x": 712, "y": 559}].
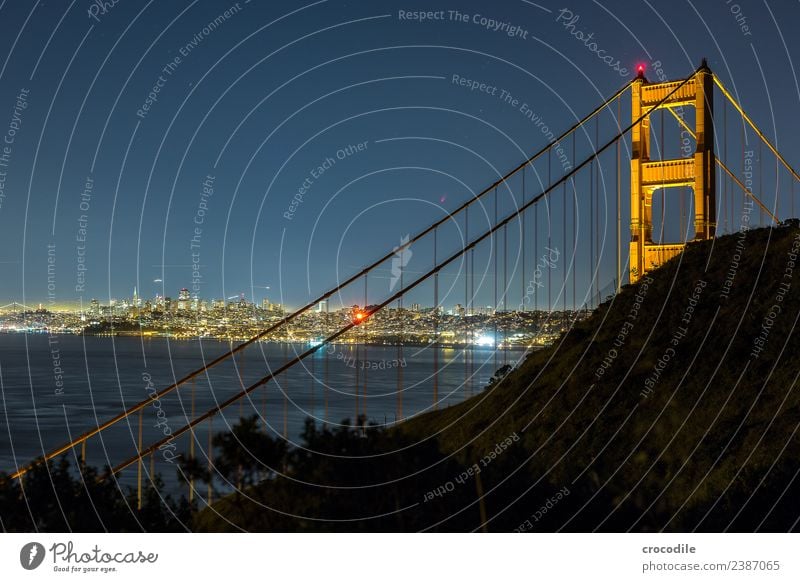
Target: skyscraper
[{"x": 183, "y": 299}]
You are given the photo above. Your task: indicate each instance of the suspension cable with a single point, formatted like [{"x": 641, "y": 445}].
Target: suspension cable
[
  {"x": 324, "y": 297},
  {"x": 721, "y": 164},
  {"x": 209, "y": 414},
  {"x": 397, "y": 295},
  {"x": 755, "y": 128}
]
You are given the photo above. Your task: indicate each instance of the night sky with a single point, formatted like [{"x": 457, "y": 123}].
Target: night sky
[{"x": 256, "y": 100}]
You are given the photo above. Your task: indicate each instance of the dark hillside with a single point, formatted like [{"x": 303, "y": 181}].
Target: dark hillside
[{"x": 673, "y": 407}]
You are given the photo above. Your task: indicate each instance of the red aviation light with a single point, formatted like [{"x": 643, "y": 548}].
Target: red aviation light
[{"x": 640, "y": 69}]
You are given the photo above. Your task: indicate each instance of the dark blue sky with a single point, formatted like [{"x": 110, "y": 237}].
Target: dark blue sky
[{"x": 271, "y": 91}]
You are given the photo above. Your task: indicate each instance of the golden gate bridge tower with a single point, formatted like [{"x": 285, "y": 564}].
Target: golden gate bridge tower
[{"x": 648, "y": 175}]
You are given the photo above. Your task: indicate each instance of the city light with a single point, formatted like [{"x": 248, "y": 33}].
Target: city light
[{"x": 189, "y": 316}]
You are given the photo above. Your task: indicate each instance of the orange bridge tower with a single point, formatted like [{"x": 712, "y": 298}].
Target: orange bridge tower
[{"x": 648, "y": 176}]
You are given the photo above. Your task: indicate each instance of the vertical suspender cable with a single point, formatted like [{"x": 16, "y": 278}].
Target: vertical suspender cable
[
  {"x": 597, "y": 213},
  {"x": 264, "y": 400},
  {"x": 549, "y": 235},
  {"x": 313, "y": 380},
  {"x": 435, "y": 323},
  {"x": 495, "y": 255},
  {"x": 741, "y": 138},
  {"x": 191, "y": 443},
  {"x": 467, "y": 307},
  {"x": 505, "y": 293},
  {"x": 760, "y": 183},
  {"x": 210, "y": 458},
  {"x": 286, "y": 406},
  {"x": 472, "y": 324},
  {"x": 522, "y": 244},
  {"x": 619, "y": 205},
  {"x": 240, "y": 374},
  {"x": 365, "y": 338},
  {"x": 564, "y": 247},
  {"x": 725, "y": 155},
  {"x": 663, "y": 189},
  {"x": 535, "y": 254},
  {"x": 325, "y": 384},
  {"x": 564, "y": 244},
  {"x": 400, "y": 351},
  {"x": 357, "y": 336},
  {"x": 573, "y": 260},
  {"x": 574, "y": 229},
  {"x": 591, "y": 232},
  {"x": 731, "y": 203},
  {"x": 139, "y": 467},
  {"x": 285, "y": 396},
  {"x": 777, "y": 188}
]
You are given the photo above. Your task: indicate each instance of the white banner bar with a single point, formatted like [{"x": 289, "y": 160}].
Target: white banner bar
[{"x": 400, "y": 557}]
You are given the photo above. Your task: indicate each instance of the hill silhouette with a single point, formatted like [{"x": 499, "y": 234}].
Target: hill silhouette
[{"x": 673, "y": 407}]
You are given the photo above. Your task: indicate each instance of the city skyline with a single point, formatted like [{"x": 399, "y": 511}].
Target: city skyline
[{"x": 192, "y": 301}]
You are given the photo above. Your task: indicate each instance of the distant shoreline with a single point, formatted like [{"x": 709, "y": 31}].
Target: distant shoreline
[{"x": 413, "y": 344}]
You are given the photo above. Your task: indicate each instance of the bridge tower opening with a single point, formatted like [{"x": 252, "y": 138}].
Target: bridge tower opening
[{"x": 647, "y": 175}]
